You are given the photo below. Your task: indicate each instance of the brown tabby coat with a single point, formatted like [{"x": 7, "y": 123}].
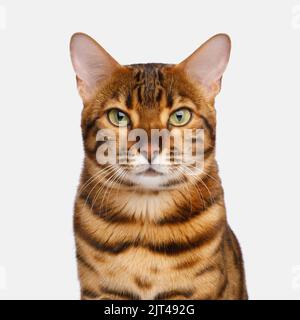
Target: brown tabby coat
[{"x": 153, "y": 244}]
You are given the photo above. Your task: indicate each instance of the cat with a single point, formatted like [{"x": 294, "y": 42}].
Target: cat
[{"x": 145, "y": 231}]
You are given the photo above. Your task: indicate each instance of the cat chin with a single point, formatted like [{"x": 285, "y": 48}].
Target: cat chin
[{"x": 160, "y": 182}]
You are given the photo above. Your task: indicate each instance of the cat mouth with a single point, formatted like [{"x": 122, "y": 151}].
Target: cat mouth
[
  {"x": 150, "y": 172},
  {"x": 151, "y": 179}
]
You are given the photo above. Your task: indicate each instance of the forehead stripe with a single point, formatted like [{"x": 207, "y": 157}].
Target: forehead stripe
[
  {"x": 128, "y": 101},
  {"x": 159, "y": 95},
  {"x": 169, "y": 100}
]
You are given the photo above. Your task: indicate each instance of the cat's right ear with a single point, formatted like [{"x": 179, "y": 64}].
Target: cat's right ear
[{"x": 92, "y": 64}]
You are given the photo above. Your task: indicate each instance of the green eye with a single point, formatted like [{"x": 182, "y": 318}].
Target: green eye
[
  {"x": 180, "y": 117},
  {"x": 118, "y": 118}
]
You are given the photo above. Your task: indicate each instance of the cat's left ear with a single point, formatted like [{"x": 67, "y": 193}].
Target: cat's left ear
[
  {"x": 208, "y": 63},
  {"x": 91, "y": 63}
]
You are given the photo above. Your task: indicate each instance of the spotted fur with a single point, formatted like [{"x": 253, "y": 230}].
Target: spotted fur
[{"x": 154, "y": 244}]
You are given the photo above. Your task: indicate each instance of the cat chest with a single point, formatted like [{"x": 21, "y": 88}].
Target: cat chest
[{"x": 153, "y": 276}]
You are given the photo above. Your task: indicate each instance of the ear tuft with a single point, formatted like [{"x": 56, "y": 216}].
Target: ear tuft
[
  {"x": 91, "y": 63},
  {"x": 208, "y": 63}
]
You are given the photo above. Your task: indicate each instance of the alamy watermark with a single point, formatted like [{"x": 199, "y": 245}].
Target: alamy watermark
[
  {"x": 160, "y": 147},
  {"x": 296, "y": 277},
  {"x": 295, "y": 23}
]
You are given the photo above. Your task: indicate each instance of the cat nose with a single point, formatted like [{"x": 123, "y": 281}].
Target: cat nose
[{"x": 149, "y": 152}]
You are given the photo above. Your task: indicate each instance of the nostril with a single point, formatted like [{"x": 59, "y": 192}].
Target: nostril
[
  {"x": 147, "y": 154},
  {"x": 155, "y": 153}
]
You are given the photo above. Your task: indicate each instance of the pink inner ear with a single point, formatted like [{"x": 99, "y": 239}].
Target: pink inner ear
[
  {"x": 208, "y": 63},
  {"x": 91, "y": 63}
]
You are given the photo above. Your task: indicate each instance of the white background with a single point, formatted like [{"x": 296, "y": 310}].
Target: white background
[{"x": 40, "y": 139}]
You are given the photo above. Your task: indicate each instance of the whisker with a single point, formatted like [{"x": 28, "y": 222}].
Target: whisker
[
  {"x": 195, "y": 184},
  {"x": 108, "y": 171},
  {"x": 91, "y": 179},
  {"x": 198, "y": 178},
  {"x": 119, "y": 174},
  {"x": 106, "y": 186}
]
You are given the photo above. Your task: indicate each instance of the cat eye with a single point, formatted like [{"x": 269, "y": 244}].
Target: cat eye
[
  {"x": 118, "y": 118},
  {"x": 180, "y": 117}
]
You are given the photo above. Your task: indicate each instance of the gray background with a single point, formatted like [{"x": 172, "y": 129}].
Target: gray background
[{"x": 40, "y": 139}]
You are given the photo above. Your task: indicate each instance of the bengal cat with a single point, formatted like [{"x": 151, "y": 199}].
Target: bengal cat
[{"x": 144, "y": 231}]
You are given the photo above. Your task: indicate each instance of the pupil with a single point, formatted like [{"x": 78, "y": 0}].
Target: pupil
[
  {"x": 120, "y": 116},
  {"x": 179, "y": 115}
]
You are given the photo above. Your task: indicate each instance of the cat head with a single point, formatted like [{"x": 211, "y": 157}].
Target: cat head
[{"x": 170, "y": 102}]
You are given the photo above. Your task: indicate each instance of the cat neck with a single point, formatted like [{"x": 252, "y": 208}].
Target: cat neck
[{"x": 148, "y": 206}]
